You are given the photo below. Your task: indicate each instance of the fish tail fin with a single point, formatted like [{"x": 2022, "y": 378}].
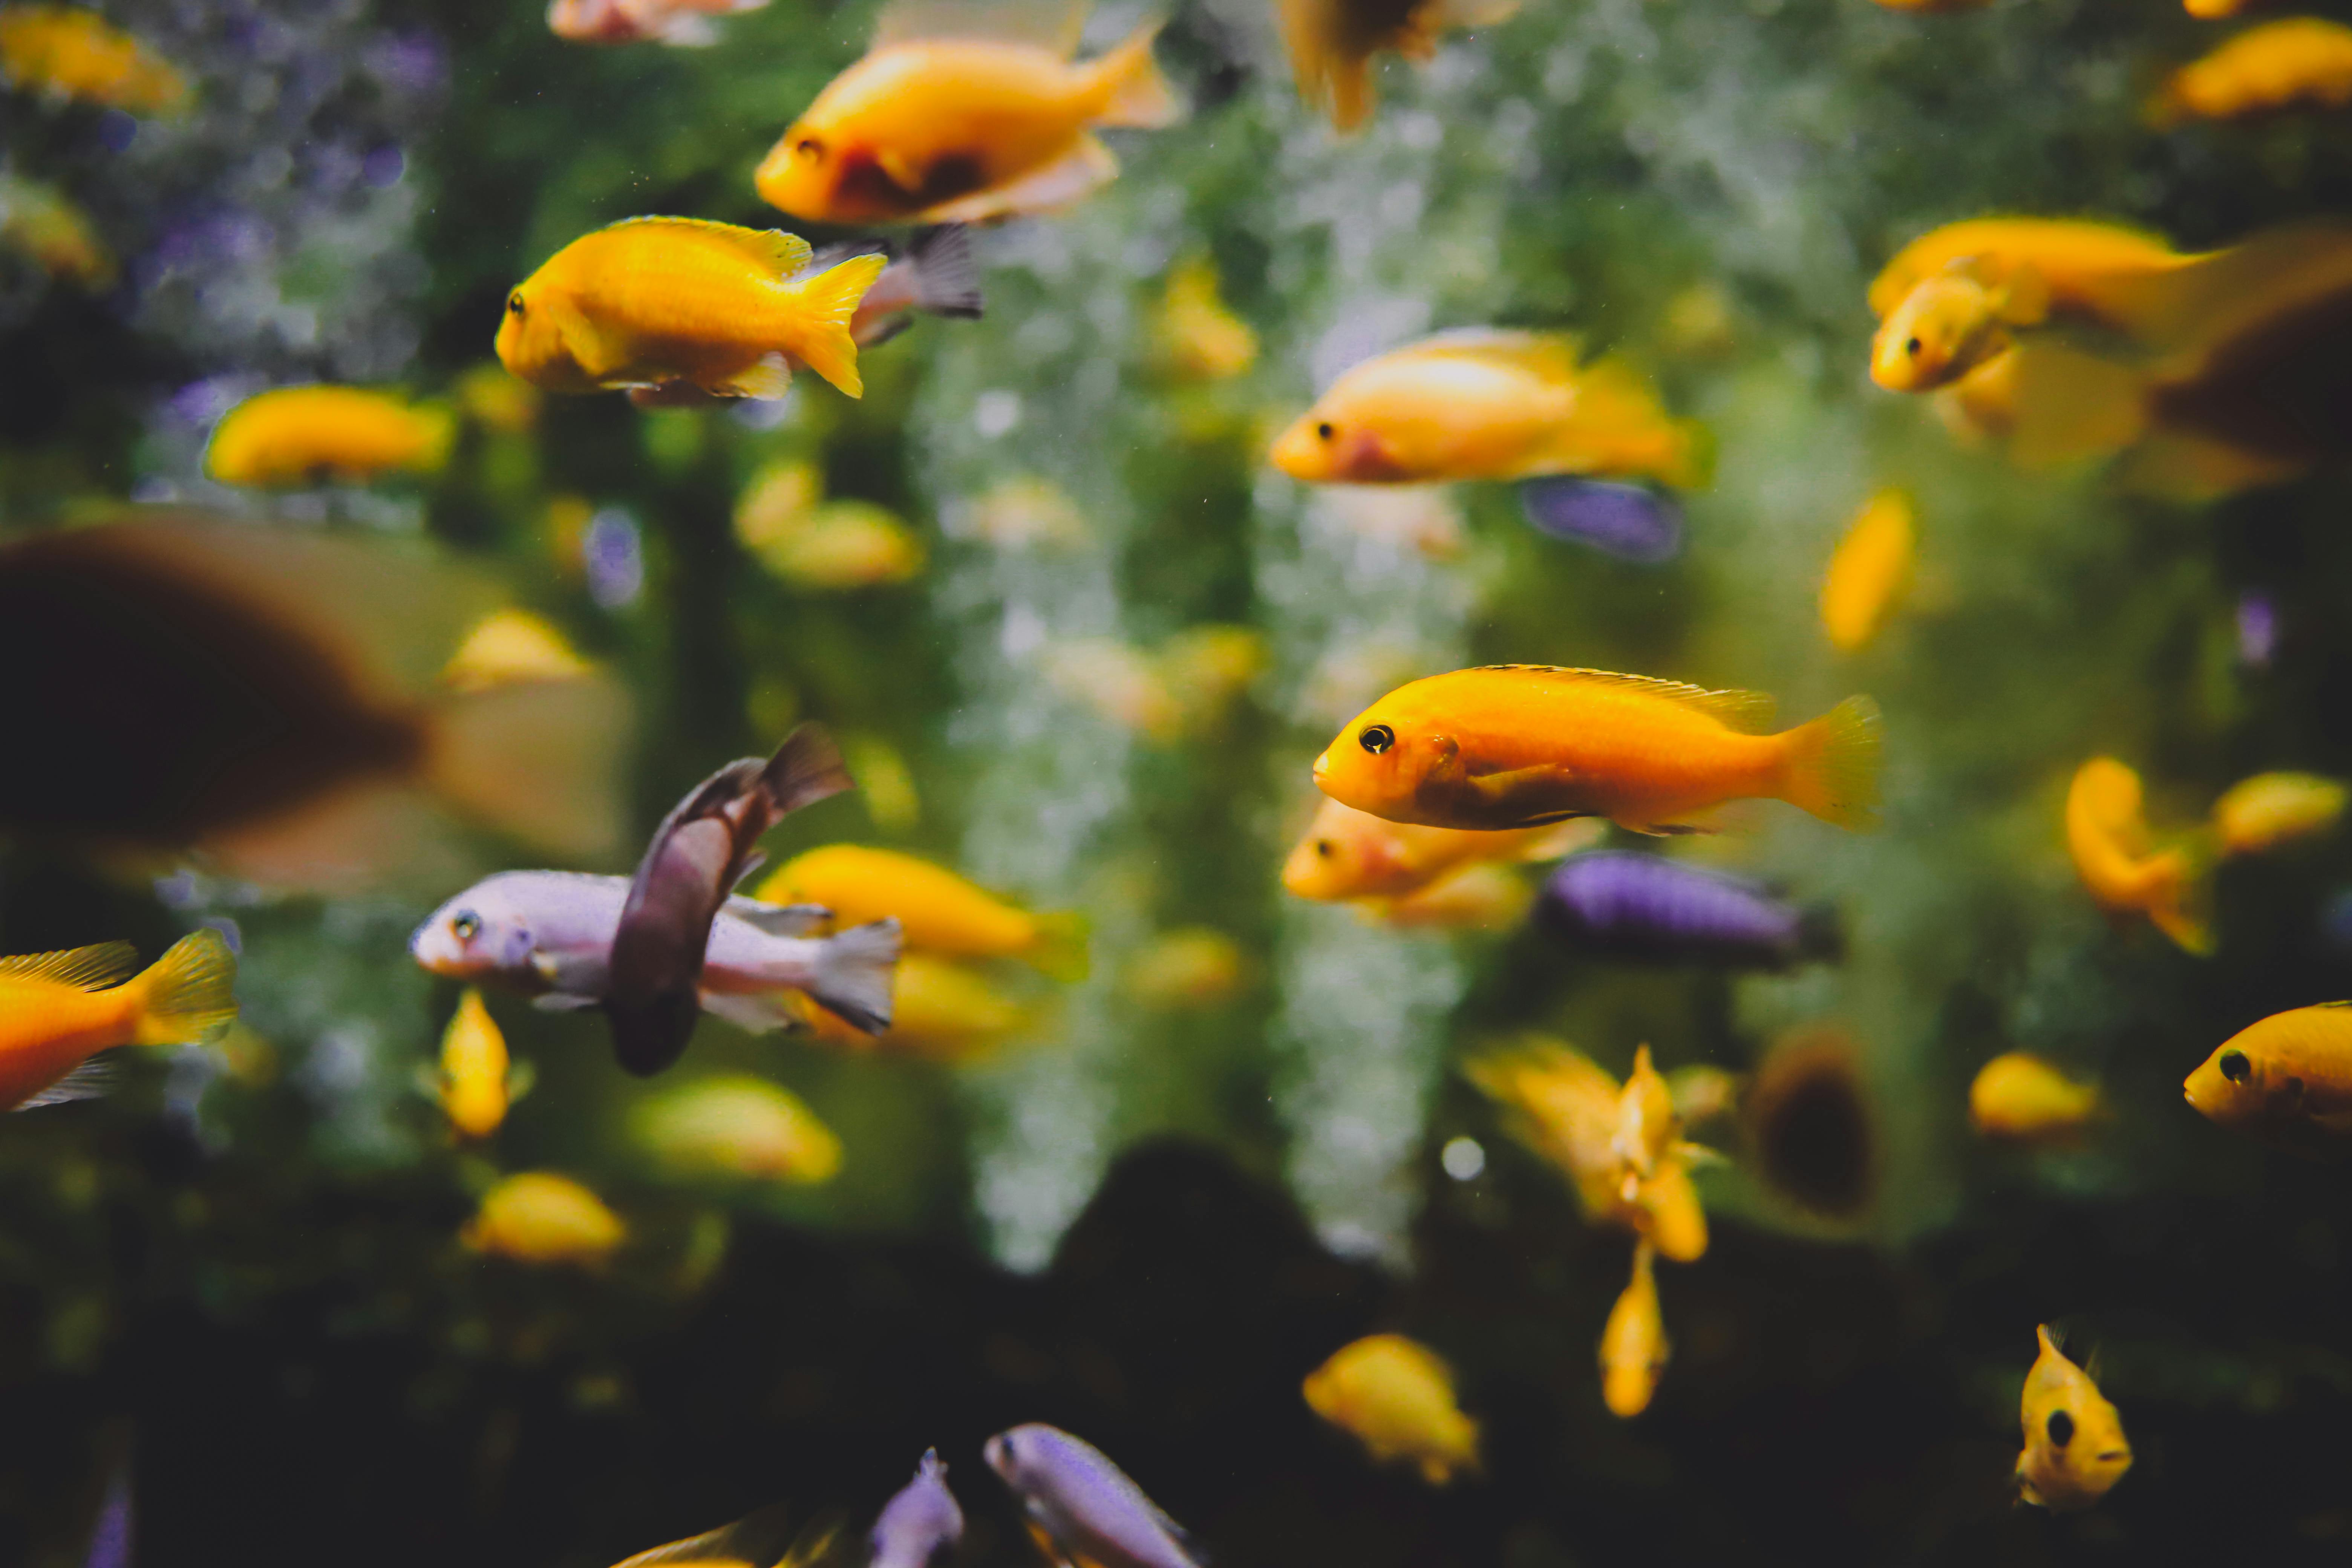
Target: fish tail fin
[
  {"x": 826, "y": 304},
  {"x": 1060, "y": 953},
  {"x": 1831, "y": 766},
  {"x": 947, "y": 274},
  {"x": 189, "y": 996},
  {"x": 538, "y": 759},
  {"x": 1134, "y": 92},
  {"x": 854, "y": 974}
]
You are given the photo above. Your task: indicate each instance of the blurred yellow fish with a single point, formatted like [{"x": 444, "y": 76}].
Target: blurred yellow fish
[
  {"x": 1634, "y": 1344},
  {"x": 2214, "y": 10},
  {"x": 1869, "y": 572},
  {"x": 1483, "y": 896},
  {"x": 511, "y": 646},
  {"x": 69, "y": 52},
  {"x": 38, "y": 221},
  {"x": 1487, "y": 404},
  {"x": 1332, "y": 42},
  {"x": 496, "y": 400},
  {"x": 57, "y": 1010},
  {"x": 938, "y": 911},
  {"x": 845, "y": 544},
  {"x": 2288, "y": 1074},
  {"x": 300, "y": 435},
  {"x": 1199, "y": 338},
  {"x": 650, "y": 301},
  {"x": 477, "y": 1085},
  {"x": 939, "y": 1011},
  {"x": 2075, "y": 1446},
  {"x": 1953, "y": 321},
  {"x": 2270, "y": 809},
  {"x": 775, "y": 1537},
  {"x": 938, "y": 126},
  {"x": 1350, "y": 853},
  {"x": 2097, "y": 271},
  {"x": 1025, "y": 512},
  {"x": 738, "y": 1126},
  {"x": 2276, "y": 66},
  {"x": 1193, "y": 967},
  {"x": 885, "y": 782},
  {"x": 1395, "y": 1395},
  {"x": 1646, "y": 1126},
  {"x": 541, "y": 1217},
  {"x": 2020, "y": 1099},
  {"x": 2107, "y": 835}
]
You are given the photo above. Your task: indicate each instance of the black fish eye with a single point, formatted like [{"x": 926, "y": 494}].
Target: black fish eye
[
  {"x": 2061, "y": 1427},
  {"x": 1375, "y": 738},
  {"x": 1325, "y": 431},
  {"x": 514, "y": 303},
  {"x": 467, "y": 926},
  {"x": 1912, "y": 348},
  {"x": 1323, "y": 847},
  {"x": 809, "y": 147},
  {"x": 2235, "y": 1066}
]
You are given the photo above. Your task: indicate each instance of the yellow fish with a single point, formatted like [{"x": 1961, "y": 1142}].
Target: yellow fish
[
  {"x": 1483, "y": 896},
  {"x": 1332, "y": 42},
  {"x": 649, "y": 301},
  {"x": 2289, "y": 1072},
  {"x": 845, "y": 544},
  {"x": 300, "y": 435},
  {"x": 476, "y": 1083},
  {"x": 938, "y": 911},
  {"x": 738, "y": 1126},
  {"x": 1648, "y": 1126},
  {"x": 1193, "y": 967},
  {"x": 1395, "y": 1395},
  {"x": 2270, "y": 809},
  {"x": 57, "y": 1010},
  {"x": 1869, "y": 572},
  {"x": 1350, "y": 853},
  {"x": 2106, "y": 834},
  {"x": 2278, "y": 65},
  {"x": 939, "y": 1011},
  {"x": 772, "y": 1538},
  {"x": 69, "y": 52},
  {"x": 1517, "y": 745},
  {"x": 1199, "y": 338},
  {"x": 1487, "y": 404},
  {"x": 2214, "y": 10},
  {"x": 1634, "y": 1345},
  {"x": 2075, "y": 1446},
  {"x": 2020, "y": 1099},
  {"x": 2098, "y": 272},
  {"x": 1953, "y": 322},
  {"x": 934, "y": 128},
  {"x": 39, "y": 222},
  {"x": 541, "y": 1217}
]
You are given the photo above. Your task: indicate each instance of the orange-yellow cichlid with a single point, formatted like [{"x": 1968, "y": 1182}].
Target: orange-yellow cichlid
[
  {"x": 1634, "y": 1345},
  {"x": 2020, "y": 1099},
  {"x": 2270, "y": 809},
  {"x": 1396, "y": 1396},
  {"x": 2278, "y": 65},
  {"x": 1516, "y": 746},
  {"x": 651, "y": 301},
  {"x": 1332, "y": 42},
  {"x": 2075, "y": 1446},
  {"x": 1953, "y": 321},
  {"x": 930, "y": 126},
  {"x": 299, "y": 435},
  {"x": 2108, "y": 836},
  {"x": 72, "y": 52},
  {"x": 541, "y": 1217},
  {"x": 939, "y": 1011},
  {"x": 937, "y": 910},
  {"x": 738, "y": 1125},
  {"x": 1487, "y": 404},
  {"x": 59, "y": 1009},
  {"x": 38, "y": 221},
  {"x": 1350, "y": 853},
  {"x": 1870, "y": 571},
  {"x": 476, "y": 1083},
  {"x": 2092, "y": 270},
  {"x": 2288, "y": 1073}
]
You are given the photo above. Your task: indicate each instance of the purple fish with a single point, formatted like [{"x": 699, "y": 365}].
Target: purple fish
[
  {"x": 109, "y": 1536},
  {"x": 1643, "y": 906},
  {"x": 1084, "y": 1504},
  {"x": 1623, "y": 520},
  {"x": 2257, "y": 628},
  {"x": 921, "y": 1523}
]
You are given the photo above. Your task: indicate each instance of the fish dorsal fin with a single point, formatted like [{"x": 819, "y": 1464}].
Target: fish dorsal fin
[
  {"x": 84, "y": 968},
  {"x": 1551, "y": 356},
  {"x": 756, "y": 1540},
  {"x": 1053, "y": 25},
  {"x": 1747, "y": 711},
  {"x": 787, "y": 255}
]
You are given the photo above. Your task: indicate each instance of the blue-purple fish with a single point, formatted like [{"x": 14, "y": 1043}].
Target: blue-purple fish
[
  {"x": 1081, "y": 1508},
  {"x": 1624, "y": 521},
  {"x": 1631, "y": 905},
  {"x": 920, "y": 1524},
  {"x": 111, "y": 1533}
]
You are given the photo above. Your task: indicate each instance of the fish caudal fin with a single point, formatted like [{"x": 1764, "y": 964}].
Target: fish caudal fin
[
  {"x": 1134, "y": 92},
  {"x": 854, "y": 974},
  {"x": 1060, "y": 950},
  {"x": 824, "y": 305},
  {"x": 1829, "y": 767},
  {"x": 947, "y": 274},
  {"x": 189, "y": 996},
  {"x": 806, "y": 768}
]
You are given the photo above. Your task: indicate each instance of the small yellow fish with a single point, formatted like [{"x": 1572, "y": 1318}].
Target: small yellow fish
[
  {"x": 1483, "y": 896},
  {"x": 39, "y": 222},
  {"x": 541, "y": 1217},
  {"x": 1634, "y": 1344},
  {"x": 1350, "y": 853},
  {"x": 476, "y": 1083},
  {"x": 1332, "y": 42},
  {"x": 738, "y": 1126},
  {"x": 2107, "y": 835},
  {"x": 1953, "y": 322},
  {"x": 846, "y": 544},
  {"x": 1487, "y": 404},
  {"x": 1395, "y": 1395},
  {"x": 57, "y": 1010},
  {"x": 2214, "y": 10},
  {"x": 299, "y": 435},
  {"x": 2278, "y": 65},
  {"x": 2075, "y": 1446},
  {"x": 69, "y": 52},
  {"x": 939, "y": 1011},
  {"x": 2097, "y": 272},
  {"x": 1518, "y": 745},
  {"x": 649, "y": 301},
  {"x": 1193, "y": 967},
  {"x": 1648, "y": 1126},
  {"x": 2020, "y": 1099},
  {"x": 1025, "y": 512},
  {"x": 2271, "y": 809},
  {"x": 1199, "y": 338},
  {"x": 2289, "y": 1072},
  {"x": 938, "y": 910},
  {"x": 1869, "y": 572},
  {"x": 945, "y": 129},
  {"x": 511, "y": 646}
]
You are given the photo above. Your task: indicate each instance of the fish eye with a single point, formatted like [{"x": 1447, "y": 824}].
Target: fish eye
[
  {"x": 468, "y": 925},
  {"x": 2061, "y": 1427},
  {"x": 2234, "y": 1065},
  {"x": 514, "y": 303},
  {"x": 1375, "y": 738},
  {"x": 809, "y": 147},
  {"x": 1912, "y": 348},
  {"x": 1323, "y": 847},
  {"x": 1323, "y": 431}
]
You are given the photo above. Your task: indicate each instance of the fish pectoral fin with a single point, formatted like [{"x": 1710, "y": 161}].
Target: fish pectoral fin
[
  {"x": 594, "y": 351},
  {"x": 898, "y": 169},
  {"x": 1086, "y": 168},
  {"x": 766, "y": 378},
  {"x": 779, "y": 919},
  {"x": 1501, "y": 790},
  {"x": 93, "y": 1078}
]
